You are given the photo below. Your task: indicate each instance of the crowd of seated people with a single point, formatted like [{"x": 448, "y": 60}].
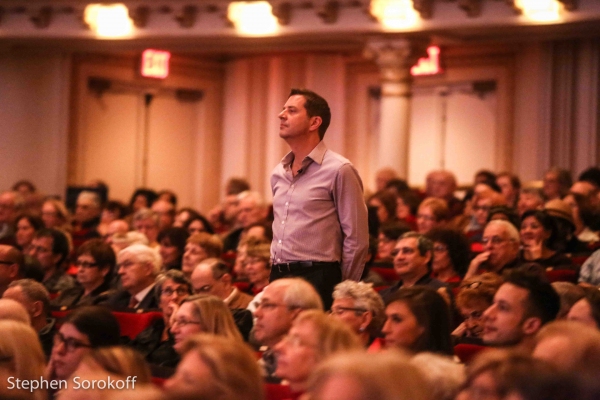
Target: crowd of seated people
[{"x": 483, "y": 295}]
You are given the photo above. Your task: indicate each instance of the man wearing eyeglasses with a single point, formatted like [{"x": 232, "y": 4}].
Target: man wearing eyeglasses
[
  {"x": 11, "y": 264},
  {"x": 501, "y": 249},
  {"x": 211, "y": 276},
  {"x": 412, "y": 261}
]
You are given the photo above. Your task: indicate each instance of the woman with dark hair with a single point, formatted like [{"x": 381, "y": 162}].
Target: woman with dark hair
[
  {"x": 417, "y": 320},
  {"x": 587, "y": 310},
  {"x": 112, "y": 211},
  {"x": 538, "y": 233},
  {"x": 386, "y": 241},
  {"x": 451, "y": 255},
  {"x": 27, "y": 226},
  {"x": 172, "y": 246},
  {"x": 198, "y": 223},
  {"x": 95, "y": 263},
  {"x": 142, "y": 198},
  {"x": 84, "y": 329},
  {"x": 385, "y": 202},
  {"x": 184, "y": 215}
]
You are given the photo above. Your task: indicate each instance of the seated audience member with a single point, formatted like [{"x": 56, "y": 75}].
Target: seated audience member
[
  {"x": 417, "y": 320},
  {"x": 202, "y": 314},
  {"x": 21, "y": 358},
  {"x": 411, "y": 263},
  {"x": 55, "y": 215},
  {"x": 569, "y": 347},
  {"x": 589, "y": 273},
  {"x": 451, "y": 255},
  {"x": 501, "y": 249},
  {"x": 280, "y": 304},
  {"x": 183, "y": 215},
  {"x": 168, "y": 195},
  {"x": 215, "y": 367},
  {"x": 142, "y": 198},
  {"x": 530, "y": 198},
  {"x": 166, "y": 213},
  {"x": 311, "y": 339},
  {"x": 432, "y": 213},
  {"x": 383, "y": 177},
  {"x": 510, "y": 185},
  {"x": 50, "y": 247},
  {"x": 565, "y": 240},
  {"x": 120, "y": 241},
  {"x": 198, "y": 223},
  {"x": 587, "y": 309},
  {"x": 11, "y": 266},
  {"x": 262, "y": 231},
  {"x": 444, "y": 375},
  {"x": 569, "y": 294},
  {"x": 172, "y": 243},
  {"x": 501, "y": 374},
  {"x": 407, "y": 204},
  {"x": 212, "y": 276},
  {"x": 138, "y": 266},
  {"x": 95, "y": 262},
  {"x": 475, "y": 296},
  {"x": 199, "y": 247},
  {"x": 360, "y": 307},
  {"x": 223, "y": 216},
  {"x": 146, "y": 221},
  {"x": 118, "y": 227},
  {"x": 112, "y": 211},
  {"x": 11, "y": 204},
  {"x": 505, "y": 213},
  {"x": 13, "y": 310},
  {"x": 538, "y": 234},
  {"x": 86, "y": 218},
  {"x": 482, "y": 204},
  {"x": 257, "y": 266},
  {"x": 156, "y": 341},
  {"x": 26, "y": 227},
  {"x": 84, "y": 329},
  {"x": 36, "y": 300},
  {"x": 442, "y": 184},
  {"x": 584, "y": 217},
  {"x": 381, "y": 376},
  {"x": 557, "y": 182},
  {"x": 386, "y": 241},
  {"x": 251, "y": 209},
  {"x": 384, "y": 201},
  {"x": 522, "y": 305}
]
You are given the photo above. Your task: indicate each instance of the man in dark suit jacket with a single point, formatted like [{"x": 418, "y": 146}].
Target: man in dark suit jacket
[{"x": 137, "y": 265}]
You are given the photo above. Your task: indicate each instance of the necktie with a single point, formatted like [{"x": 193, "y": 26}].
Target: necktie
[{"x": 133, "y": 302}]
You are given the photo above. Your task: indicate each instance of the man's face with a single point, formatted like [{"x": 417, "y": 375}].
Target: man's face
[
  {"x": 118, "y": 226},
  {"x": 135, "y": 275},
  {"x": 9, "y": 271},
  {"x": 528, "y": 201},
  {"x": 16, "y": 293},
  {"x": 204, "y": 282},
  {"x": 439, "y": 185},
  {"x": 506, "y": 186},
  {"x": 230, "y": 207},
  {"x": 551, "y": 185},
  {"x": 345, "y": 310},
  {"x": 408, "y": 261},
  {"x": 86, "y": 210},
  {"x": 249, "y": 213},
  {"x": 166, "y": 214},
  {"x": 505, "y": 318},
  {"x": 273, "y": 317},
  {"x": 294, "y": 120},
  {"x": 148, "y": 227},
  {"x": 7, "y": 208},
  {"x": 41, "y": 250},
  {"x": 498, "y": 243}
]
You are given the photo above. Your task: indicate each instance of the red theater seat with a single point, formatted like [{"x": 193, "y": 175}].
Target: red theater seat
[
  {"x": 277, "y": 392},
  {"x": 158, "y": 381},
  {"x": 466, "y": 352},
  {"x": 562, "y": 275},
  {"x": 132, "y": 324}
]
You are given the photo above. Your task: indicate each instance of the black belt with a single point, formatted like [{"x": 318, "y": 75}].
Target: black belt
[{"x": 300, "y": 265}]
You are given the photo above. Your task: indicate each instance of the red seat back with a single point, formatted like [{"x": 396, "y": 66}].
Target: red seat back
[
  {"x": 158, "y": 381},
  {"x": 274, "y": 391},
  {"x": 132, "y": 324},
  {"x": 562, "y": 275},
  {"x": 387, "y": 274},
  {"x": 466, "y": 352}
]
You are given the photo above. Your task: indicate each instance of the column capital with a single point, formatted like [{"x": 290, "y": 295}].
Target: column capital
[{"x": 395, "y": 56}]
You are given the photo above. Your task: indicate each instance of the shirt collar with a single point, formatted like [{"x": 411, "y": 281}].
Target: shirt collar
[{"x": 317, "y": 154}]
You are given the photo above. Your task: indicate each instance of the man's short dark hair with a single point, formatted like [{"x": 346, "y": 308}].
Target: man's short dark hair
[
  {"x": 542, "y": 300},
  {"x": 315, "y": 106},
  {"x": 60, "y": 243},
  {"x": 424, "y": 244}
]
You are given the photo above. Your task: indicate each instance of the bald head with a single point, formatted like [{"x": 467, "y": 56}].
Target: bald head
[
  {"x": 13, "y": 310},
  {"x": 441, "y": 184}
]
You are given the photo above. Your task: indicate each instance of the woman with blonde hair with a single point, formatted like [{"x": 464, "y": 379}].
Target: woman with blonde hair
[
  {"x": 203, "y": 314},
  {"x": 432, "y": 213},
  {"x": 215, "y": 368},
  {"x": 55, "y": 215},
  {"x": 312, "y": 338},
  {"x": 257, "y": 266},
  {"x": 381, "y": 376},
  {"x": 21, "y": 357},
  {"x": 199, "y": 247}
]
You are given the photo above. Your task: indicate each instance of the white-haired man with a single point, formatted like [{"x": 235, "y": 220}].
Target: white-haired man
[
  {"x": 86, "y": 218},
  {"x": 251, "y": 209},
  {"x": 137, "y": 265}
]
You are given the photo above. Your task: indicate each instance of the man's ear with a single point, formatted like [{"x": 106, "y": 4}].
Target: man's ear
[
  {"x": 226, "y": 279},
  {"x": 37, "y": 309},
  {"x": 13, "y": 271},
  {"x": 315, "y": 123},
  {"x": 366, "y": 319},
  {"x": 531, "y": 325}
]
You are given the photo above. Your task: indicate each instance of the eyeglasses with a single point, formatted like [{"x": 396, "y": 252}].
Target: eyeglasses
[
  {"x": 125, "y": 264},
  {"x": 472, "y": 285},
  {"x": 482, "y": 208},
  {"x": 341, "y": 310},
  {"x": 181, "y": 291},
  {"x": 7, "y": 262},
  {"x": 403, "y": 250},
  {"x": 426, "y": 217},
  {"x": 440, "y": 248},
  {"x": 85, "y": 264},
  {"x": 204, "y": 289},
  {"x": 296, "y": 341},
  {"x": 493, "y": 240},
  {"x": 473, "y": 315},
  {"x": 184, "y": 322},
  {"x": 39, "y": 249},
  {"x": 71, "y": 344},
  {"x": 265, "y": 305}
]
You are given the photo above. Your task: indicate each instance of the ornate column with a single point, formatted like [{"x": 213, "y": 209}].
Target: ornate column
[{"x": 395, "y": 57}]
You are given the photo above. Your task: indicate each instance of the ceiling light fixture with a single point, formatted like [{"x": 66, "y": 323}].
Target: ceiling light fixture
[
  {"x": 252, "y": 18},
  {"x": 108, "y": 20},
  {"x": 394, "y": 14}
]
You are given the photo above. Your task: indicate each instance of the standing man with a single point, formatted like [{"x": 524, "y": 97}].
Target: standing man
[{"x": 320, "y": 229}]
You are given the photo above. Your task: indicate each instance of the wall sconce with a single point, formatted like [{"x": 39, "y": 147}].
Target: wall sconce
[
  {"x": 540, "y": 10},
  {"x": 252, "y": 18},
  {"x": 394, "y": 14},
  {"x": 108, "y": 20}
]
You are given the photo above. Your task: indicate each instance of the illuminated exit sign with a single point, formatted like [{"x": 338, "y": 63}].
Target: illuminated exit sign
[
  {"x": 429, "y": 65},
  {"x": 155, "y": 63}
]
